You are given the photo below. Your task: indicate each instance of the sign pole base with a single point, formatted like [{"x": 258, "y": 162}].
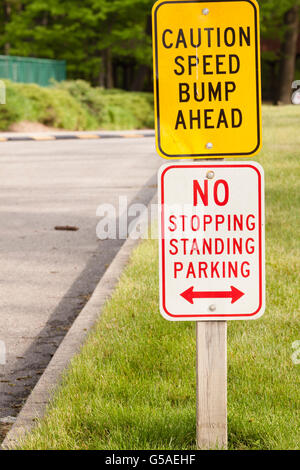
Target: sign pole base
[{"x": 211, "y": 367}]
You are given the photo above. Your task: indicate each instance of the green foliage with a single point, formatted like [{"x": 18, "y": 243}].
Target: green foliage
[
  {"x": 49, "y": 106},
  {"x": 75, "y": 105},
  {"x": 114, "y": 109},
  {"x": 101, "y": 40},
  {"x": 272, "y": 12}
]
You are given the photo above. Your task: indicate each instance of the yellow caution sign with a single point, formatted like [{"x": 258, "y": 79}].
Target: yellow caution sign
[{"x": 207, "y": 78}]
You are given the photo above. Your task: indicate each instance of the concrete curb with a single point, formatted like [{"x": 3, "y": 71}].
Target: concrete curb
[
  {"x": 41, "y": 136},
  {"x": 37, "y": 401}
]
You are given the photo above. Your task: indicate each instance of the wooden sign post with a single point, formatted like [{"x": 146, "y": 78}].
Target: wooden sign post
[{"x": 206, "y": 58}]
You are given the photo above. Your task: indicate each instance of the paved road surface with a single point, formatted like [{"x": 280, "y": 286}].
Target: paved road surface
[{"x": 46, "y": 276}]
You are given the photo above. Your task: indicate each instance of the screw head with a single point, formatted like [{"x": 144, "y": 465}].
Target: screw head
[
  {"x": 210, "y": 175},
  {"x": 212, "y": 308},
  {"x": 209, "y": 145},
  {"x": 205, "y": 11}
]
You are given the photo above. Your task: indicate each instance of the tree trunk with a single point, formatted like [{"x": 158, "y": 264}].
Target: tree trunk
[
  {"x": 142, "y": 71},
  {"x": 124, "y": 76},
  {"x": 101, "y": 75},
  {"x": 288, "y": 55},
  {"x": 7, "y": 14},
  {"x": 139, "y": 78},
  {"x": 109, "y": 69}
]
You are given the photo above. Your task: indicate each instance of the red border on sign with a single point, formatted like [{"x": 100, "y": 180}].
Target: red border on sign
[{"x": 163, "y": 243}]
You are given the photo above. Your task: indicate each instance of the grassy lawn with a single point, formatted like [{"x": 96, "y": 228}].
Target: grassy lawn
[{"x": 133, "y": 385}]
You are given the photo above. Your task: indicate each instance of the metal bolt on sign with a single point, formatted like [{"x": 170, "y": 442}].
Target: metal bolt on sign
[{"x": 210, "y": 175}]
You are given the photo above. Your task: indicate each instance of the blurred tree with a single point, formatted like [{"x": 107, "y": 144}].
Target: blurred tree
[
  {"x": 280, "y": 20},
  {"x": 108, "y": 42}
]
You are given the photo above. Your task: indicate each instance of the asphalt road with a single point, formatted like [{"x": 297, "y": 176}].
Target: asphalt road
[{"x": 47, "y": 275}]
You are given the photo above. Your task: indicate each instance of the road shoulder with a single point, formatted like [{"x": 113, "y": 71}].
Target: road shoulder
[{"x": 35, "y": 405}]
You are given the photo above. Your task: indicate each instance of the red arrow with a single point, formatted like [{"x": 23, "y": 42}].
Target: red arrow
[{"x": 234, "y": 294}]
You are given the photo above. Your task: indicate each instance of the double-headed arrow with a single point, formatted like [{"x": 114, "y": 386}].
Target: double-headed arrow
[{"x": 234, "y": 294}]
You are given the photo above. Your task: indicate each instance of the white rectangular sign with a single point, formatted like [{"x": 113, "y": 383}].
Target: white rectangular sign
[{"x": 212, "y": 257}]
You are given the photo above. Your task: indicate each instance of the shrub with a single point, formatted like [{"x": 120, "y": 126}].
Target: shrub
[
  {"x": 50, "y": 106},
  {"x": 113, "y": 109}
]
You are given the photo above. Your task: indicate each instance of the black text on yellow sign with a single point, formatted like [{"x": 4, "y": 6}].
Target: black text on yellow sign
[{"x": 207, "y": 78}]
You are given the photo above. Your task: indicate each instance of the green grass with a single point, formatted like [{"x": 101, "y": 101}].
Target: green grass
[
  {"x": 75, "y": 105},
  {"x": 133, "y": 384}
]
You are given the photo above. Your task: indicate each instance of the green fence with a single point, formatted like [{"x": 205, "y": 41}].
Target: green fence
[{"x": 32, "y": 70}]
